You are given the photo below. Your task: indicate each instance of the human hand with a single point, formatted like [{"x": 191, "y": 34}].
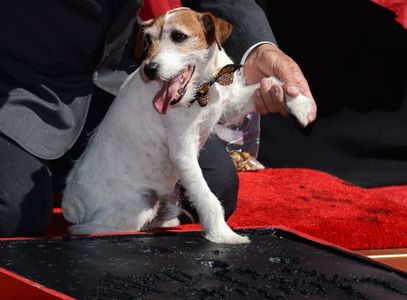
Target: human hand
[{"x": 267, "y": 60}]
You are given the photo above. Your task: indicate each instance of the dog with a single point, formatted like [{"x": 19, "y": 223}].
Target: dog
[{"x": 150, "y": 138}]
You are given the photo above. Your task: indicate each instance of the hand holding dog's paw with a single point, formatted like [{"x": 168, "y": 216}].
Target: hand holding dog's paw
[{"x": 279, "y": 76}]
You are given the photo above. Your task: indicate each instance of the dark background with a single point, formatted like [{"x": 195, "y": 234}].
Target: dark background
[{"x": 354, "y": 56}]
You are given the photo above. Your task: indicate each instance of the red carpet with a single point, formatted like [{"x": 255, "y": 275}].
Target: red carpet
[
  {"x": 399, "y": 7},
  {"x": 325, "y": 207},
  {"x": 317, "y": 204}
]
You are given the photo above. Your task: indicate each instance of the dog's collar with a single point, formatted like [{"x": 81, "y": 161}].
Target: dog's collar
[{"x": 223, "y": 77}]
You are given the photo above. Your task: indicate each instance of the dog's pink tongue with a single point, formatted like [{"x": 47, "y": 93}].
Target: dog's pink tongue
[{"x": 167, "y": 93}]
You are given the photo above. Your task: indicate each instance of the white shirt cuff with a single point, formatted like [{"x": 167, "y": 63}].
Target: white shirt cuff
[{"x": 246, "y": 54}]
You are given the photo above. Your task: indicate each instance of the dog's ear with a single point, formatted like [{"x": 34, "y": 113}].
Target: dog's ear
[
  {"x": 142, "y": 42},
  {"x": 216, "y": 29}
]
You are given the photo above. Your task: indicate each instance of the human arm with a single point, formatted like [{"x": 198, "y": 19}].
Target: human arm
[{"x": 251, "y": 27}]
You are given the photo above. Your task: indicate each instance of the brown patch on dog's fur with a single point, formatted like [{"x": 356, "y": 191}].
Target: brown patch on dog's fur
[
  {"x": 192, "y": 21},
  {"x": 216, "y": 29},
  {"x": 205, "y": 28},
  {"x": 142, "y": 49}
]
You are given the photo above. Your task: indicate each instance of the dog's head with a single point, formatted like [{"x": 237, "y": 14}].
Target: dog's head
[{"x": 180, "y": 50}]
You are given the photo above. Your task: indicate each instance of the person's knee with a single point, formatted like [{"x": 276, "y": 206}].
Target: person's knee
[
  {"x": 220, "y": 173},
  {"x": 26, "y": 194},
  {"x": 26, "y": 212},
  {"x": 225, "y": 185},
  {"x": 9, "y": 216},
  {"x": 29, "y": 220}
]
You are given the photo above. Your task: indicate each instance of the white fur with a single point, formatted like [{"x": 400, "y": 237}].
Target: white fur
[{"x": 136, "y": 156}]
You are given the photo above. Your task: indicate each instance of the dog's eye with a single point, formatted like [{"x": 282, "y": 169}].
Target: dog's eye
[{"x": 178, "y": 36}]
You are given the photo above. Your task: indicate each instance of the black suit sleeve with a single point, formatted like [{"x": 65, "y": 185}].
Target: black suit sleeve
[{"x": 250, "y": 24}]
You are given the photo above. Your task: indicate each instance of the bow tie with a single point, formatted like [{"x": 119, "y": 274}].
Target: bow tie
[{"x": 223, "y": 77}]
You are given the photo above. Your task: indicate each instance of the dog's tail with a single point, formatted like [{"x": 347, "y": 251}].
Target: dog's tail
[
  {"x": 168, "y": 211},
  {"x": 167, "y": 206}
]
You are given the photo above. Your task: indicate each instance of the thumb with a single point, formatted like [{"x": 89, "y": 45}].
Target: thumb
[
  {"x": 288, "y": 71},
  {"x": 294, "y": 82},
  {"x": 291, "y": 90}
]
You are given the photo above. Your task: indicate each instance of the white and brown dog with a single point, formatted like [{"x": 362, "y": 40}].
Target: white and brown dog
[{"x": 151, "y": 136}]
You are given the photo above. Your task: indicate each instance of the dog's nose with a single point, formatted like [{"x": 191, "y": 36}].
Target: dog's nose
[{"x": 151, "y": 70}]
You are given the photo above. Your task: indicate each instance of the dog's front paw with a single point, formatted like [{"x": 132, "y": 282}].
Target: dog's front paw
[
  {"x": 226, "y": 236},
  {"x": 302, "y": 108}
]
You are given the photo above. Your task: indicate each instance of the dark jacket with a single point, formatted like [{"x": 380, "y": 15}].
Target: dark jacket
[{"x": 52, "y": 52}]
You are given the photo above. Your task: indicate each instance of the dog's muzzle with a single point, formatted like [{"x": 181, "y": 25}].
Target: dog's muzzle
[{"x": 173, "y": 90}]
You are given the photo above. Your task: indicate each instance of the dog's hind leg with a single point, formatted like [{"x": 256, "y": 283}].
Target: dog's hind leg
[{"x": 130, "y": 211}]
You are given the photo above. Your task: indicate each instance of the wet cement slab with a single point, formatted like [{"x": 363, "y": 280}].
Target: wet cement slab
[{"x": 277, "y": 264}]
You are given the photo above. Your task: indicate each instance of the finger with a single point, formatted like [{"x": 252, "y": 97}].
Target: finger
[
  {"x": 265, "y": 89},
  {"x": 288, "y": 71},
  {"x": 277, "y": 96},
  {"x": 259, "y": 103},
  {"x": 291, "y": 90},
  {"x": 263, "y": 102},
  {"x": 269, "y": 98}
]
